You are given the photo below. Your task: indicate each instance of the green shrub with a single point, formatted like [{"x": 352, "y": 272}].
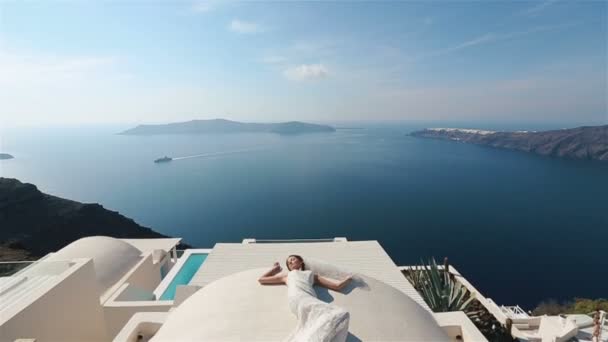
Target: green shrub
[
  {"x": 584, "y": 305},
  {"x": 576, "y": 306},
  {"x": 551, "y": 307}
]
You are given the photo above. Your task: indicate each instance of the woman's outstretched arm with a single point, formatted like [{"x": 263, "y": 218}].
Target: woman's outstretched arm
[
  {"x": 272, "y": 276},
  {"x": 330, "y": 284}
]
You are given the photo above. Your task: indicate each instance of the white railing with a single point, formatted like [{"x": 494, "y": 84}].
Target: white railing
[
  {"x": 514, "y": 311},
  {"x": 335, "y": 239}
]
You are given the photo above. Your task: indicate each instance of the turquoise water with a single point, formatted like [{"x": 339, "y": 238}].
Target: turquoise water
[
  {"x": 185, "y": 273},
  {"x": 522, "y": 228}
]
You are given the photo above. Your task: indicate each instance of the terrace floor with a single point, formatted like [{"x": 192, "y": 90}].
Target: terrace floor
[{"x": 365, "y": 257}]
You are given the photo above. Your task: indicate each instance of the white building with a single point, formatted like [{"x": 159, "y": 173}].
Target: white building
[
  {"x": 86, "y": 291},
  {"x": 106, "y": 289}
]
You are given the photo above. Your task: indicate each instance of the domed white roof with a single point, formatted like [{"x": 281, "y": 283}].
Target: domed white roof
[
  {"x": 238, "y": 308},
  {"x": 112, "y": 258}
]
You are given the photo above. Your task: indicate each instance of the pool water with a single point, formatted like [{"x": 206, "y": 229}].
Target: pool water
[{"x": 184, "y": 275}]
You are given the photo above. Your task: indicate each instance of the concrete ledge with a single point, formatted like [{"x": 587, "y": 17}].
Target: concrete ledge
[
  {"x": 182, "y": 292},
  {"x": 457, "y": 323},
  {"x": 144, "y": 324}
]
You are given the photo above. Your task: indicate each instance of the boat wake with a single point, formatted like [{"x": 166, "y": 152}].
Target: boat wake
[{"x": 214, "y": 154}]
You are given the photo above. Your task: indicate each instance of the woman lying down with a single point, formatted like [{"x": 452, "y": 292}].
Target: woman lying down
[{"x": 317, "y": 320}]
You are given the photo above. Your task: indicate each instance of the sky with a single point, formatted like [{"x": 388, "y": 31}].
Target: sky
[{"x": 85, "y": 62}]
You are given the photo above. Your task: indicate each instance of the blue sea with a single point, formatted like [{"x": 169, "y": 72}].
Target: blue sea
[{"x": 522, "y": 228}]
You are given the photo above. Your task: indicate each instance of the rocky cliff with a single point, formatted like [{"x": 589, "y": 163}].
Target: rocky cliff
[
  {"x": 589, "y": 142},
  {"x": 34, "y": 223}
]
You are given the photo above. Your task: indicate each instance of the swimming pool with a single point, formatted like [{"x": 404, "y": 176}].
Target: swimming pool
[{"x": 184, "y": 275}]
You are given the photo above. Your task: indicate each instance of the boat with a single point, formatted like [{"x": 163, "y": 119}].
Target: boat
[{"x": 164, "y": 159}]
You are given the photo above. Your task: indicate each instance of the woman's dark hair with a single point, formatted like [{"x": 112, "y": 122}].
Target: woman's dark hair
[{"x": 297, "y": 257}]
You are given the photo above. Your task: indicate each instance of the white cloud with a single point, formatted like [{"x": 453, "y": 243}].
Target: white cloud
[
  {"x": 19, "y": 69},
  {"x": 536, "y": 9},
  {"x": 486, "y": 38},
  {"x": 491, "y": 37},
  {"x": 314, "y": 48},
  {"x": 541, "y": 96},
  {"x": 306, "y": 72},
  {"x": 204, "y": 6},
  {"x": 245, "y": 27},
  {"x": 40, "y": 88},
  {"x": 274, "y": 59}
]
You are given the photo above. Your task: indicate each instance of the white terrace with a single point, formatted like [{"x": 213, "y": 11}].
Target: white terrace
[
  {"x": 105, "y": 289},
  {"x": 85, "y": 291},
  {"x": 232, "y": 306},
  {"x": 110, "y": 289},
  {"x": 364, "y": 257}
]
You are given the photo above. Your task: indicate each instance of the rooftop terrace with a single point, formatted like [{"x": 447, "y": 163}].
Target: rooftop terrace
[
  {"x": 364, "y": 257},
  {"x": 109, "y": 290}
]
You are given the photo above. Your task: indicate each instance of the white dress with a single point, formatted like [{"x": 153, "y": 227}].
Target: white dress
[{"x": 317, "y": 321}]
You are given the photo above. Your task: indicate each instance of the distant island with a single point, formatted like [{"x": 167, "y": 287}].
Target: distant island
[
  {"x": 34, "y": 223},
  {"x": 5, "y": 156},
  {"x": 589, "y": 142},
  {"x": 228, "y": 126}
]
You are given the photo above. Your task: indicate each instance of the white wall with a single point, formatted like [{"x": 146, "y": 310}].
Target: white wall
[
  {"x": 458, "y": 323},
  {"x": 145, "y": 324},
  {"x": 147, "y": 274},
  {"x": 145, "y": 277},
  {"x": 69, "y": 311},
  {"x": 117, "y": 314}
]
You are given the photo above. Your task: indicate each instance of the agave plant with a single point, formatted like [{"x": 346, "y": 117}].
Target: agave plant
[
  {"x": 440, "y": 291},
  {"x": 416, "y": 277}
]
